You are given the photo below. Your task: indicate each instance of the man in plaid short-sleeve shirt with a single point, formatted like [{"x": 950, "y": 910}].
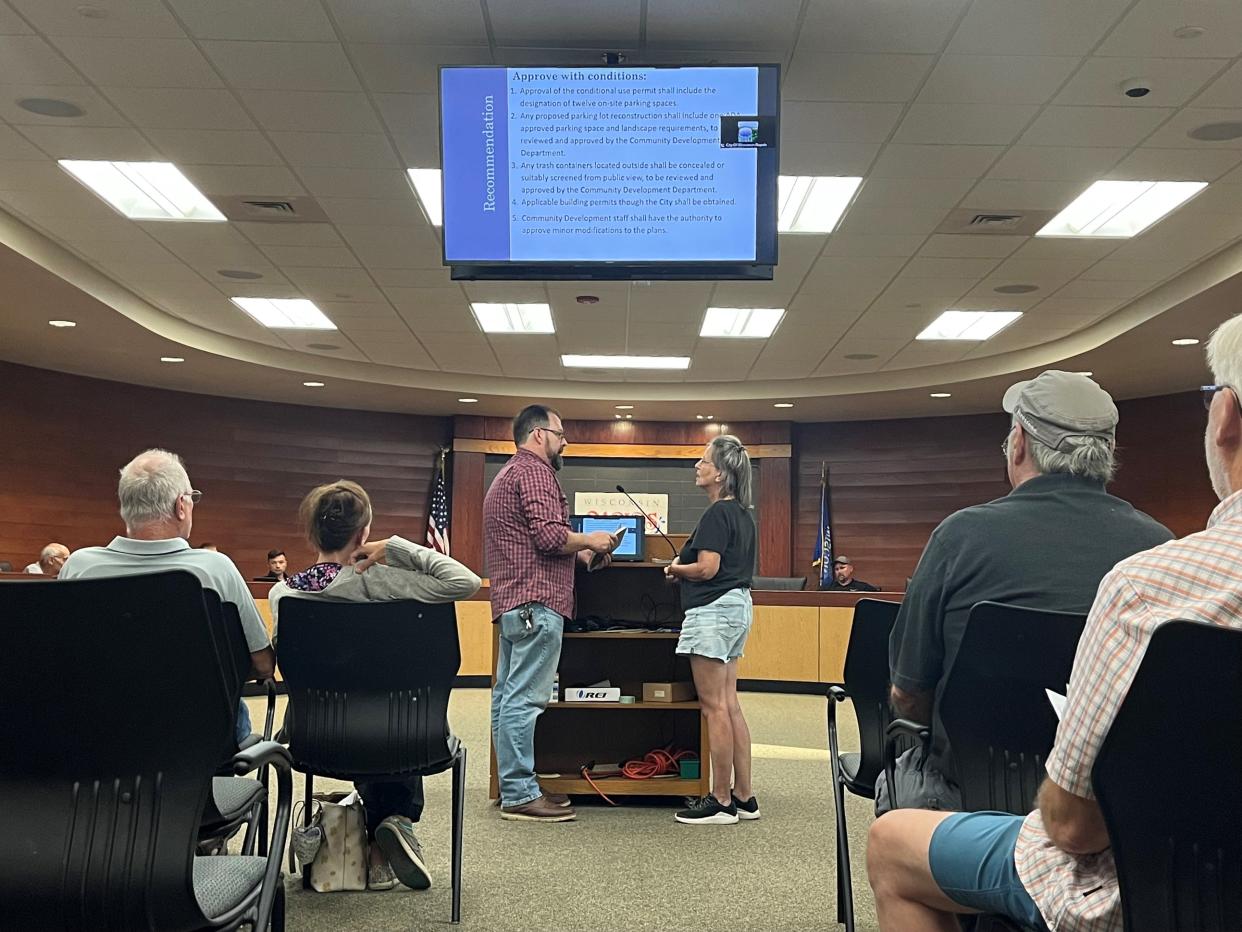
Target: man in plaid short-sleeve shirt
[
  {"x": 530, "y": 551},
  {"x": 1053, "y": 869}
]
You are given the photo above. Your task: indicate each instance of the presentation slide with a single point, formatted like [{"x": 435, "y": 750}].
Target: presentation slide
[{"x": 604, "y": 164}]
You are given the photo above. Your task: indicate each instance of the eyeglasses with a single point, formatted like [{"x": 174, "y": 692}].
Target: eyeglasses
[
  {"x": 551, "y": 430},
  {"x": 1209, "y": 392},
  {"x": 193, "y": 495}
]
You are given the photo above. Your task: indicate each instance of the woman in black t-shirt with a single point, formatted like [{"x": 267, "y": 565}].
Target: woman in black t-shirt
[{"x": 714, "y": 569}]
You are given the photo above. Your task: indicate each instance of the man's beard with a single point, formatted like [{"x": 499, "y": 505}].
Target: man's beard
[{"x": 556, "y": 461}]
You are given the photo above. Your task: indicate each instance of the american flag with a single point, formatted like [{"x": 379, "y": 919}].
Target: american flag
[{"x": 438, "y": 514}]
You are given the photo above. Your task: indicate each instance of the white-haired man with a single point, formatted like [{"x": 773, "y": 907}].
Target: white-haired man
[
  {"x": 51, "y": 559},
  {"x": 157, "y": 506},
  {"x": 1053, "y": 868},
  {"x": 1047, "y": 544}
]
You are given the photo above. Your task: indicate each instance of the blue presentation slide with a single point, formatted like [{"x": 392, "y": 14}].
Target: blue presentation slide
[{"x": 605, "y": 164}]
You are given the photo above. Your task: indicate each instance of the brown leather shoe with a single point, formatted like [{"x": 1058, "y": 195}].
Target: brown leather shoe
[{"x": 538, "y": 810}]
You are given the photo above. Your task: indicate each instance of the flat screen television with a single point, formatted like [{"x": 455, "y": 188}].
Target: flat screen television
[
  {"x": 610, "y": 172},
  {"x": 631, "y": 547}
]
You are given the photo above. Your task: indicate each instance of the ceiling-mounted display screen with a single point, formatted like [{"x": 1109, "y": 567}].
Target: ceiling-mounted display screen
[{"x": 610, "y": 172}]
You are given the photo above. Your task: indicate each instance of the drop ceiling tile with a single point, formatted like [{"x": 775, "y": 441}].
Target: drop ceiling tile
[
  {"x": 325, "y": 257},
  {"x": 1173, "y": 134},
  {"x": 1047, "y": 273},
  {"x": 394, "y": 247},
  {"x": 291, "y": 66},
  {"x": 11, "y": 24},
  {"x": 963, "y": 124},
  {"x": 311, "y": 111},
  {"x": 1072, "y": 248},
  {"x": 98, "y": 112},
  {"x": 996, "y": 79},
  {"x": 1023, "y": 195},
  {"x": 336, "y": 284},
  {"x": 814, "y": 75},
  {"x": 1093, "y": 126},
  {"x": 911, "y": 192},
  {"x": 391, "y": 68},
  {"x": 137, "y": 250},
  {"x": 337, "y": 150},
  {"x": 140, "y": 274},
  {"x": 963, "y": 246},
  {"x": 116, "y": 228},
  {"x": 1172, "y": 81},
  {"x": 1081, "y": 308},
  {"x": 1220, "y": 198},
  {"x": 289, "y": 234},
  {"x": 1147, "y": 30},
  {"x": 1035, "y": 27},
  {"x": 1085, "y": 288},
  {"x": 838, "y": 122},
  {"x": 1149, "y": 164},
  {"x": 1055, "y": 163},
  {"x": 362, "y": 316},
  {"x": 270, "y": 180},
  {"x": 74, "y": 201},
  {"x": 15, "y": 146},
  {"x": 983, "y": 297},
  {"x": 132, "y": 62},
  {"x": 345, "y": 349},
  {"x": 940, "y": 161},
  {"x": 145, "y": 18},
  {"x": 357, "y": 182},
  {"x": 1224, "y": 91},
  {"x": 180, "y": 108},
  {"x": 850, "y": 159},
  {"x": 681, "y": 55},
  {"x": 908, "y": 290},
  {"x": 31, "y": 60},
  {"x": 925, "y": 267},
  {"x": 91, "y": 142},
  {"x": 412, "y": 22},
  {"x": 414, "y": 122},
  {"x": 873, "y": 245},
  {"x": 563, "y": 22},
  {"x": 410, "y": 278},
  {"x": 40, "y": 175},
  {"x": 406, "y": 353},
  {"x": 214, "y": 147},
  {"x": 1133, "y": 270},
  {"x": 372, "y": 211},
  {"x": 897, "y": 26},
  {"x": 891, "y": 220},
  {"x": 278, "y": 20}
]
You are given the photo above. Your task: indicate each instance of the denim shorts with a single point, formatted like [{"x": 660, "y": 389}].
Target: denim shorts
[
  {"x": 718, "y": 629},
  {"x": 971, "y": 860}
]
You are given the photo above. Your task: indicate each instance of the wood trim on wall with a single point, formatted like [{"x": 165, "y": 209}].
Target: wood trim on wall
[
  {"x": 776, "y": 507},
  {"x": 621, "y": 450}
]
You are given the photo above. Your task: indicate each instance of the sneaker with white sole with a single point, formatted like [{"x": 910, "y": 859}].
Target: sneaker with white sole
[
  {"x": 708, "y": 810},
  {"x": 747, "y": 810},
  {"x": 395, "y": 837}
]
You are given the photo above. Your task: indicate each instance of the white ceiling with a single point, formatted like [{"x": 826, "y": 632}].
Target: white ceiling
[{"x": 941, "y": 105}]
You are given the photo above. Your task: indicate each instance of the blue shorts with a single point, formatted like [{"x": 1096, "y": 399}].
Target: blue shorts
[
  {"x": 971, "y": 859},
  {"x": 718, "y": 629}
]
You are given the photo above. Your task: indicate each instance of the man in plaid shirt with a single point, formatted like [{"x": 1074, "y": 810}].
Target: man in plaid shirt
[
  {"x": 530, "y": 551},
  {"x": 1053, "y": 869}
]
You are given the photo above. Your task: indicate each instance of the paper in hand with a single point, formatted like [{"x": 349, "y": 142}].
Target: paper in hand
[
  {"x": 1058, "y": 703},
  {"x": 597, "y": 559}
]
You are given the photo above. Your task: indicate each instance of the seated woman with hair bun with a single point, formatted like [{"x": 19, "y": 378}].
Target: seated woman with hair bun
[{"x": 349, "y": 567}]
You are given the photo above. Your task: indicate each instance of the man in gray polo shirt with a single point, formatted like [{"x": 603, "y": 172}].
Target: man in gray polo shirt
[
  {"x": 1047, "y": 544},
  {"x": 157, "y": 506}
]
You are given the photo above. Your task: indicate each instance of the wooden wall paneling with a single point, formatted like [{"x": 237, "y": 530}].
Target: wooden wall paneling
[
  {"x": 775, "y": 487},
  {"x": 466, "y": 523}
]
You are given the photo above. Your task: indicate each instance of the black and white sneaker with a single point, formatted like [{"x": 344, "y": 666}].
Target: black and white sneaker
[
  {"x": 747, "y": 810},
  {"x": 707, "y": 810}
]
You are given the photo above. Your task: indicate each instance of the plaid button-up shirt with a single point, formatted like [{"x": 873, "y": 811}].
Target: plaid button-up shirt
[
  {"x": 1198, "y": 578},
  {"x": 525, "y": 525}
]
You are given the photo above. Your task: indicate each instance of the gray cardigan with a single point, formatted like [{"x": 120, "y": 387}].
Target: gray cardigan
[{"x": 412, "y": 572}]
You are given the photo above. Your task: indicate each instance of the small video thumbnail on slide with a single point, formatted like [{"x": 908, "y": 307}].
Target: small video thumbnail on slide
[{"x": 747, "y": 132}]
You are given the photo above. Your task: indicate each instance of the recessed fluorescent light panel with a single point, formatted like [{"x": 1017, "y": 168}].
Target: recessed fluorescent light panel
[
  {"x": 1120, "y": 209},
  {"x": 426, "y": 182},
  {"x": 625, "y": 362},
  {"x": 144, "y": 190},
  {"x": 741, "y": 322},
  {"x": 811, "y": 204},
  {"x": 285, "y": 313},
  {"x": 968, "y": 325},
  {"x": 514, "y": 318}
]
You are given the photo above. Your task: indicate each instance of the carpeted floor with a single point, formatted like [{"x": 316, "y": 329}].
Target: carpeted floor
[{"x": 631, "y": 868}]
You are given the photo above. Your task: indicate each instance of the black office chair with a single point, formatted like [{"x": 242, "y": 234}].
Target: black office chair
[
  {"x": 115, "y": 711},
  {"x": 777, "y": 583},
  {"x": 994, "y": 708},
  {"x": 1168, "y": 779},
  {"x": 368, "y": 687},
  {"x": 866, "y": 685}
]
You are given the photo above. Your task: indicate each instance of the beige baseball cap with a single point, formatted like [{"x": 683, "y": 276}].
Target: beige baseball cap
[{"x": 1055, "y": 406}]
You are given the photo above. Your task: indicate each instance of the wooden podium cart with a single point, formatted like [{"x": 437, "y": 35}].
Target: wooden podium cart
[{"x": 570, "y": 735}]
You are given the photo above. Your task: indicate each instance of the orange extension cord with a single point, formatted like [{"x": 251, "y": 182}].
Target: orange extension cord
[{"x": 656, "y": 763}]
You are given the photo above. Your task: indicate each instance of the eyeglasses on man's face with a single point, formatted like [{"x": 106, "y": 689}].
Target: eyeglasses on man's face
[
  {"x": 551, "y": 430},
  {"x": 1209, "y": 392},
  {"x": 193, "y": 495}
]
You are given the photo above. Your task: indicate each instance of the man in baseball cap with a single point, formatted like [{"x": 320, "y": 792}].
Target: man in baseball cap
[
  {"x": 843, "y": 578},
  {"x": 1047, "y": 544}
]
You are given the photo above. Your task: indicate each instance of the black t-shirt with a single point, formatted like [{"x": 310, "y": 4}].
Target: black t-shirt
[
  {"x": 728, "y": 529},
  {"x": 854, "y": 585}
]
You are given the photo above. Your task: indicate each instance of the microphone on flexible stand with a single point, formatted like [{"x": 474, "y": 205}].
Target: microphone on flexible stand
[{"x": 621, "y": 489}]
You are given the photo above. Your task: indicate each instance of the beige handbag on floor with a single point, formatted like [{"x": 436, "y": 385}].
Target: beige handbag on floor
[{"x": 341, "y": 861}]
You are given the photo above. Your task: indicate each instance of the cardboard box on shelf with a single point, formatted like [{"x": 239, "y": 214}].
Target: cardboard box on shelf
[{"x": 668, "y": 692}]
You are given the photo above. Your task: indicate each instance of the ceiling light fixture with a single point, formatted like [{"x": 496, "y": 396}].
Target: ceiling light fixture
[
  {"x": 699, "y": 416},
  {"x": 747, "y": 323},
  {"x": 783, "y": 404},
  {"x": 313, "y": 384},
  {"x": 1222, "y": 131},
  {"x": 239, "y": 274},
  {"x": 810, "y": 204},
  {"x": 968, "y": 325},
  {"x": 859, "y": 357},
  {"x": 468, "y": 401},
  {"x": 51, "y": 107},
  {"x": 513, "y": 318},
  {"x": 144, "y": 190},
  {"x": 172, "y": 359},
  {"x": 285, "y": 313},
  {"x": 426, "y": 184},
  {"x": 572, "y": 361},
  {"x": 1015, "y": 289},
  {"x": 624, "y": 407},
  {"x": 942, "y": 394},
  {"x": 63, "y": 323},
  {"x": 1088, "y": 374},
  {"x": 1186, "y": 341},
  {"x": 1120, "y": 209},
  {"x": 629, "y": 417}
]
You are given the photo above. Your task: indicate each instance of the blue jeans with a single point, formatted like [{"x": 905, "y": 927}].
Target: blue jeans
[
  {"x": 241, "y": 730},
  {"x": 525, "y": 671}
]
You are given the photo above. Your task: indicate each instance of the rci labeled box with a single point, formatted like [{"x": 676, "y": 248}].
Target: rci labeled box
[{"x": 668, "y": 692}]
